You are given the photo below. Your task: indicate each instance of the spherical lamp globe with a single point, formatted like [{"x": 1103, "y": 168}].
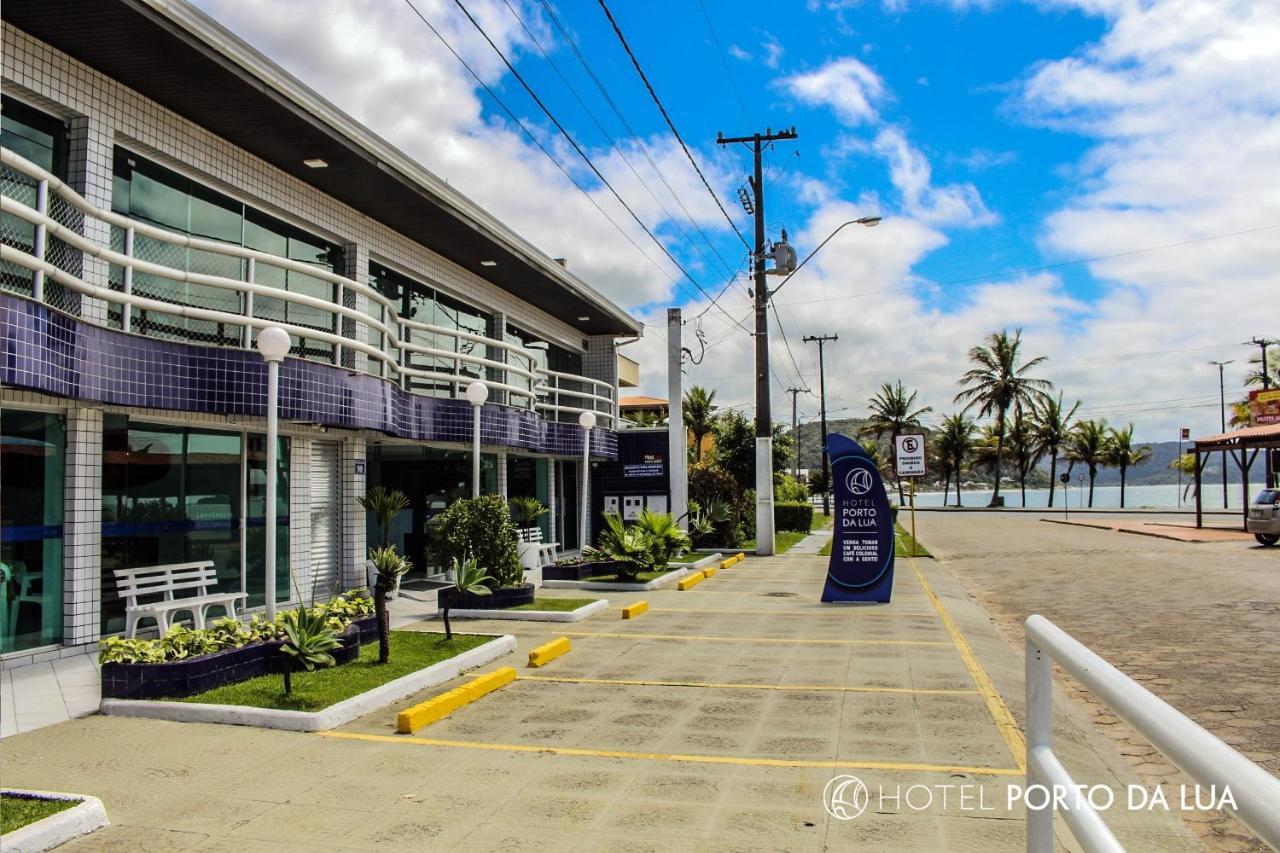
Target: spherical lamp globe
[
  {"x": 587, "y": 420},
  {"x": 273, "y": 343},
  {"x": 477, "y": 393}
]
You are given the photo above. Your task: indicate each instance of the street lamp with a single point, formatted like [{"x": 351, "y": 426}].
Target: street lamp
[
  {"x": 1222, "y": 400},
  {"x": 477, "y": 393},
  {"x": 866, "y": 221},
  {"x": 586, "y": 420},
  {"x": 273, "y": 344}
]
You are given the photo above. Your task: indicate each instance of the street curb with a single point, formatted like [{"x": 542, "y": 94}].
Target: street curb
[
  {"x": 709, "y": 560},
  {"x": 315, "y": 721},
  {"x": 437, "y": 708},
  {"x": 535, "y": 615},
  {"x": 56, "y": 829},
  {"x": 657, "y": 583}
]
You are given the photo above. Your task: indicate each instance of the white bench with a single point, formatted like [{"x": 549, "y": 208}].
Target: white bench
[
  {"x": 193, "y": 580},
  {"x": 533, "y": 550}
]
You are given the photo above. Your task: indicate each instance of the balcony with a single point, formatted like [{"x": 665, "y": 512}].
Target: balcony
[{"x": 170, "y": 286}]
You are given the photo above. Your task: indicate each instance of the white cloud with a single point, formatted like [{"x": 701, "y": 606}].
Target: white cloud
[
  {"x": 911, "y": 174},
  {"x": 846, "y": 85},
  {"x": 773, "y": 51},
  {"x": 739, "y": 53}
]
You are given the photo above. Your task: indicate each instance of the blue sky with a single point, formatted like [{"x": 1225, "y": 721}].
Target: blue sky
[{"x": 991, "y": 136}]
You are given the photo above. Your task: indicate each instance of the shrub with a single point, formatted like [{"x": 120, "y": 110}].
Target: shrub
[
  {"x": 481, "y": 528},
  {"x": 789, "y": 490},
  {"x": 666, "y": 539},
  {"x": 793, "y": 516},
  {"x": 627, "y": 545}
]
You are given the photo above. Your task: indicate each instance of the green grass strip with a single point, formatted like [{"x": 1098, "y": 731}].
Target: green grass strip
[
  {"x": 317, "y": 690},
  {"x": 560, "y": 605},
  {"x": 782, "y": 541},
  {"x": 17, "y": 811}
]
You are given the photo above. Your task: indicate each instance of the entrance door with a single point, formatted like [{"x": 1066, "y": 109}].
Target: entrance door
[
  {"x": 567, "y": 504},
  {"x": 326, "y": 521}
]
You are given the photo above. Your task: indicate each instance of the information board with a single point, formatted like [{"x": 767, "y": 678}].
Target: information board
[
  {"x": 861, "y": 567},
  {"x": 908, "y": 458}
]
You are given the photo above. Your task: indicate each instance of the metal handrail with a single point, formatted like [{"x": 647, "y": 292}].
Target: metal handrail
[
  {"x": 1201, "y": 755},
  {"x": 394, "y": 332}
]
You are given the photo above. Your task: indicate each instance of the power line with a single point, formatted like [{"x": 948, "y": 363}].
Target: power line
[
  {"x": 608, "y": 137},
  {"x": 725, "y": 62},
  {"x": 604, "y": 92},
  {"x": 786, "y": 343},
  {"x": 662, "y": 109},
  {"x": 537, "y": 143},
  {"x": 576, "y": 147}
]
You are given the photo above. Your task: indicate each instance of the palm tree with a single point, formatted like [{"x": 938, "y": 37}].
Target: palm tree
[
  {"x": 954, "y": 443},
  {"x": 997, "y": 382},
  {"x": 1122, "y": 453},
  {"x": 699, "y": 416},
  {"x": 385, "y": 504},
  {"x": 1053, "y": 431},
  {"x": 1024, "y": 448},
  {"x": 646, "y": 418},
  {"x": 1088, "y": 446},
  {"x": 390, "y": 566},
  {"x": 1253, "y": 379},
  {"x": 891, "y": 412},
  {"x": 1187, "y": 465}
]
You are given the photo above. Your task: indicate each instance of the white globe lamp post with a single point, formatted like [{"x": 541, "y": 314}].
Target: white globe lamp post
[
  {"x": 273, "y": 344},
  {"x": 477, "y": 393},
  {"x": 586, "y": 420}
]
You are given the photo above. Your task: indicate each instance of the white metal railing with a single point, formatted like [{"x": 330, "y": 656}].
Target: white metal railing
[
  {"x": 1203, "y": 757},
  {"x": 385, "y": 339}
]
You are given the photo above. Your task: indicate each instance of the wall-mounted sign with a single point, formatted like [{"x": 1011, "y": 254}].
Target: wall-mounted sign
[
  {"x": 909, "y": 456},
  {"x": 1264, "y": 407},
  {"x": 650, "y": 466},
  {"x": 359, "y": 466},
  {"x": 861, "y": 567}
]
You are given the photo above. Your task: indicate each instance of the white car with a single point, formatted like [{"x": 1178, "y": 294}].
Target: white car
[{"x": 1264, "y": 517}]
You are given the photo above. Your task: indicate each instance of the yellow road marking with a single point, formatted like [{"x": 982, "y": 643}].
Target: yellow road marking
[
  {"x": 762, "y": 640},
  {"x": 688, "y": 759},
  {"x": 834, "y": 688},
  {"x": 826, "y": 611},
  {"x": 990, "y": 696}
]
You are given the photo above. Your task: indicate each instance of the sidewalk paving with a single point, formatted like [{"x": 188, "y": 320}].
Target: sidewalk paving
[
  {"x": 712, "y": 722},
  {"x": 43, "y": 694}
]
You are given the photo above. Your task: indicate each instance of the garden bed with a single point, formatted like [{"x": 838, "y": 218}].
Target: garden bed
[
  {"x": 541, "y": 610},
  {"x": 43, "y": 820},
  {"x": 327, "y": 698},
  {"x": 498, "y": 599},
  {"x": 576, "y": 571},
  {"x": 644, "y": 581}
]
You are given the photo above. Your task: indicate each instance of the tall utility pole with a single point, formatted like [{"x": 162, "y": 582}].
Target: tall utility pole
[
  {"x": 821, "y": 340},
  {"x": 1222, "y": 401},
  {"x": 795, "y": 435},
  {"x": 764, "y": 416},
  {"x": 677, "y": 442},
  {"x": 1263, "y": 343}
]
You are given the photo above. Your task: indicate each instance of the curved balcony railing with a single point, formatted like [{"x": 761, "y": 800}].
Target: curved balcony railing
[{"x": 219, "y": 293}]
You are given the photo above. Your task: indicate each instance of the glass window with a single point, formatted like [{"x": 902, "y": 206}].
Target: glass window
[
  {"x": 173, "y": 495},
  {"x": 42, "y": 139},
  {"x": 32, "y": 449}
]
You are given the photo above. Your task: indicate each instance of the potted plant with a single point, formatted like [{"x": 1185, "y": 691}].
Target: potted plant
[{"x": 468, "y": 579}]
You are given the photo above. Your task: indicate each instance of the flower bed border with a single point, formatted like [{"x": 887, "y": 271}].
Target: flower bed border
[
  {"x": 669, "y": 578},
  {"x": 56, "y": 829},
  {"x": 335, "y": 715},
  {"x": 578, "y": 615},
  {"x": 709, "y": 560}
]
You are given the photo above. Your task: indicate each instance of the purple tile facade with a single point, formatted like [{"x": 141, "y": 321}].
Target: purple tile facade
[{"x": 43, "y": 350}]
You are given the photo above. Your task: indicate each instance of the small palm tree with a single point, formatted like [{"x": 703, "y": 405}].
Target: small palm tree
[
  {"x": 525, "y": 510},
  {"x": 307, "y": 642},
  {"x": 997, "y": 382},
  {"x": 954, "y": 444},
  {"x": 1121, "y": 453},
  {"x": 390, "y": 566},
  {"x": 646, "y": 418},
  {"x": 1089, "y": 447},
  {"x": 468, "y": 577},
  {"x": 1053, "y": 431},
  {"x": 665, "y": 536},
  {"x": 1187, "y": 465},
  {"x": 627, "y": 545},
  {"x": 699, "y": 416},
  {"x": 385, "y": 504},
  {"x": 892, "y": 411},
  {"x": 1024, "y": 449}
]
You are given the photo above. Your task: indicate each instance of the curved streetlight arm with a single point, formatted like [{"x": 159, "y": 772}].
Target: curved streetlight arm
[{"x": 869, "y": 221}]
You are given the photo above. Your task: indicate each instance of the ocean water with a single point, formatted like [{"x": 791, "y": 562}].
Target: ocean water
[{"x": 1162, "y": 496}]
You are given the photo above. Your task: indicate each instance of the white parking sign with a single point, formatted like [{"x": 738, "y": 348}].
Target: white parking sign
[{"x": 909, "y": 458}]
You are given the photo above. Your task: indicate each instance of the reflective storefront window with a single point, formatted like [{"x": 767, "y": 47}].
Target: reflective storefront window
[
  {"x": 171, "y": 494},
  {"x": 32, "y": 449}
]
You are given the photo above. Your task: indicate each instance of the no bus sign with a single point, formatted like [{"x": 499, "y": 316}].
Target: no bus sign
[{"x": 909, "y": 455}]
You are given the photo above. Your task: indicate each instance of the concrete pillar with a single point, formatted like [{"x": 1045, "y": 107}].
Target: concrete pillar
[
  {"x": 82, "y": 528},
  {"x": 502, "y": 474},
  {"x": 89, "y": 172},
  {"x": 551, "y": 499},
  {"x": 354, "y": 549}
]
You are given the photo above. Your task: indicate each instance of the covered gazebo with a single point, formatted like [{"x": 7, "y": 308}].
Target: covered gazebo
[{"x": 1242, "y": 445}]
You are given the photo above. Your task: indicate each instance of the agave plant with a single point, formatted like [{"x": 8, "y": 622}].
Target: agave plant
[
  {"x": 307, "y": 642},
  {"x": 630, "y": 547},
  {"x": 468, "y": 577},
  {"x": 389, "y": 566},
  {"x": 666, "y": 539}
]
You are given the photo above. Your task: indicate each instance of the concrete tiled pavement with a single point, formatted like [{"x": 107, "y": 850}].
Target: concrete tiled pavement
[
  {"x": 712, "y": 751},
  {"x": 45, "y": 693}
]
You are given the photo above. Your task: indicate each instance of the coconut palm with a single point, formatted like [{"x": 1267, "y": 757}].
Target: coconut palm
[
  {"x": 1024, "y": 449},
  {"x": 1187, "y": 465},
  {"x": 893, "y": 412},
  {"x": 699, "y": 416},
  {"x": 646, "y": 418},
  {"x": 1088, "y": 446},
  {"x": 1254, "y": 378},
  {"x": 998, "y": 382},
  {"x": 1053, "y": 431},
  {"x": 954, "y": 441},
  {"x": 1121, "y": 453}
]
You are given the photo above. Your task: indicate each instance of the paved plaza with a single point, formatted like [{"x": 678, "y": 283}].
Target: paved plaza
[{"x": 713, "y": 722}]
